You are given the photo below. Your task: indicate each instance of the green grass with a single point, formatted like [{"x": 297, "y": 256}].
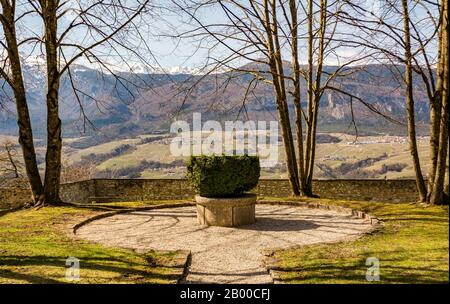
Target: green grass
[
  {"x": 34, "y": 246},
  {"x": 412, "y": 247},
  {"x": 75, "y": 155},
  {"x": 150, "y": 152}
]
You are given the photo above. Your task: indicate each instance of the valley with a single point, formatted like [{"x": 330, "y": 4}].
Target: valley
[{"x": 148, "y": 156}]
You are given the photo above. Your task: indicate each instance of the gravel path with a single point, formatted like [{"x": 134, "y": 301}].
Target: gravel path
[{"x": 224, "y": 255}]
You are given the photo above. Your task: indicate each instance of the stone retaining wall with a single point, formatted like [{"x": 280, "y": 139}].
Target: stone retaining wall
[
  {"x": 78, "y": 192},
  {"x": 14, "y": 197},
  {"x": 370, "y": 190},
  {"x": 110, "y": 190}
]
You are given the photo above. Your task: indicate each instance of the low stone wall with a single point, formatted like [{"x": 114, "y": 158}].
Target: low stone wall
[
  {"x": 14, "y": 197},
  {"x": 141, "y": 189},
  {"x": 110, "y": 190},
  {"x": 114, "y": 190},
  {"x": 78, "y": 192},
  {"x": 368, "y": 190}
]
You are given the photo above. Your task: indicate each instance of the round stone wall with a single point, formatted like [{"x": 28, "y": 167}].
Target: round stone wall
[{"x": 226, "y": 212}]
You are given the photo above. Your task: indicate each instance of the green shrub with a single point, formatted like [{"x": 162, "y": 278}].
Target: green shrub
[{"x": 223, "y": 176}]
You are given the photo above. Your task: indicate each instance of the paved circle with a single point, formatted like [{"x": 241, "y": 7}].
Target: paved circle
[{"x": 219, "y": 254}]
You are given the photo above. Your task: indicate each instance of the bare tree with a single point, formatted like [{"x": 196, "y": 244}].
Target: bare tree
[
  {"x": 412, "y": 34},
  {"x": 11, "y": 72},
  {"x": 265, "y": 35},
  {"x": 410, "y": 104},
  {"x": 10, "y": 164},
  {"x": 73, "y": 32},
  {"x": 77, "y": 172},
  {"x": 437, "y": 177}
]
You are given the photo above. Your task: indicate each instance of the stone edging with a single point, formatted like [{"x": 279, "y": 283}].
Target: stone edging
[
  {"x": 112, "y": 213},
  {"x": 181, "y": 265},
  {"x": 182, "y": 262},
  {"x": 376, "y": 223},
  {"x": 269, "y": 262},
  {"x": 184, "y": 273},
  {"x": 354, "y": 212}
]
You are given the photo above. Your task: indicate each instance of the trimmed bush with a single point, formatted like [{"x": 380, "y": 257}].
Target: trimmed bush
[{"x": 223, "y": 176}]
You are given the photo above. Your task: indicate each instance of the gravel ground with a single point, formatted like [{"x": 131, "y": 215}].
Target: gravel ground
[{"x": 224, "y": 255}]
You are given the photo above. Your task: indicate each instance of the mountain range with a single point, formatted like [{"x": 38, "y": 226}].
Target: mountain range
[{"x": 126, "y": 104}]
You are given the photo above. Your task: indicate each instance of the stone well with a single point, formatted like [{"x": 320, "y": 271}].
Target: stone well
[{"x": 226, "y": 212}]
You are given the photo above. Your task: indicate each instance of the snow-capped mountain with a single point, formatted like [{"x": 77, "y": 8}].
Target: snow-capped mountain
[{"x": 144, "y": 100}]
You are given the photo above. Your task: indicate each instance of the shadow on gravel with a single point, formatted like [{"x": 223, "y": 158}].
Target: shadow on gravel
[{"x": 277, "y": 224}]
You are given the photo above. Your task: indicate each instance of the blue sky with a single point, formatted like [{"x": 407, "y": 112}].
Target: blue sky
[{"x": 167, "y": 52}]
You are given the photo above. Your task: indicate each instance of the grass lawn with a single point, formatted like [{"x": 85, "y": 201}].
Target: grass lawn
[
  {"x": 412, "y": 247},
  {"x": 34, "y": 247}
]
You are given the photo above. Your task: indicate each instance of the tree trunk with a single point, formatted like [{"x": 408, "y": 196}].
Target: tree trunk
[
  {"x": 54, "y": 141},
  {"x": 437, "y": 195},
  {"x": 312, "y": 150},
  {"x": 315, "y": 92},
  {"x": 27, "y": 145},
  {"x": 9, "y": 154},
  {"x": 446, "y": 197},
  {"x": 297, "y": 99},
  {"x": 310, "y": 86},
  {"x": 287, "y": 134},
  {"x": 23, "y": 115},
  {"x": 276, "y": 71},
  {"x": 435, "y": 114},
  {"x": 421, "y": 188}
]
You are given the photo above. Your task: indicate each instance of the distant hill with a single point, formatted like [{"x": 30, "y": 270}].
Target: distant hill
[{"x": 147, "y": 103}]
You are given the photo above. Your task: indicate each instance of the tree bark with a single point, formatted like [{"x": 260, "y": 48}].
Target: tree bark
[
  {"x": 307, "y": 187},
  {"x": 410, "y": 107},
  {"x": 435, "y": 114},
  {"x": 280, "y": 90},
  {"x": 446, "y": 197},
  {"x": 437, "y": 195},
  {"x": 296, "y": 97},
  {"x": 54, "y": 141},
  {"x": 23, "y": 115},
  {"x": 287, "y": 134},
  {"x": 310, "y": 85},
  {"x": 314, "y": 92}
]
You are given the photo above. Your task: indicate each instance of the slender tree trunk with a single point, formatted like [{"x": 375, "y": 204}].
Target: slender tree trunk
[
  {"x": 446, "y": 197},
  {"x": 310, "y": 94},
  {"x": 27, "y": 145},
  {"x": 315, "y": 95},
  {"x": 437, "y": 195},
  {"x": 297, "y": 96},
  {"x": 282, "y": 108},
  {"x": 280, "y": 72},
  {"x": 23, "y": 115},
  {"x": 312, "y": 150},
  {"x": 421, "y": 188},
  {"x": 9, "y": 155},
  {"x": 54, "y": 141},
  {"x": 435, "y": 114}
]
